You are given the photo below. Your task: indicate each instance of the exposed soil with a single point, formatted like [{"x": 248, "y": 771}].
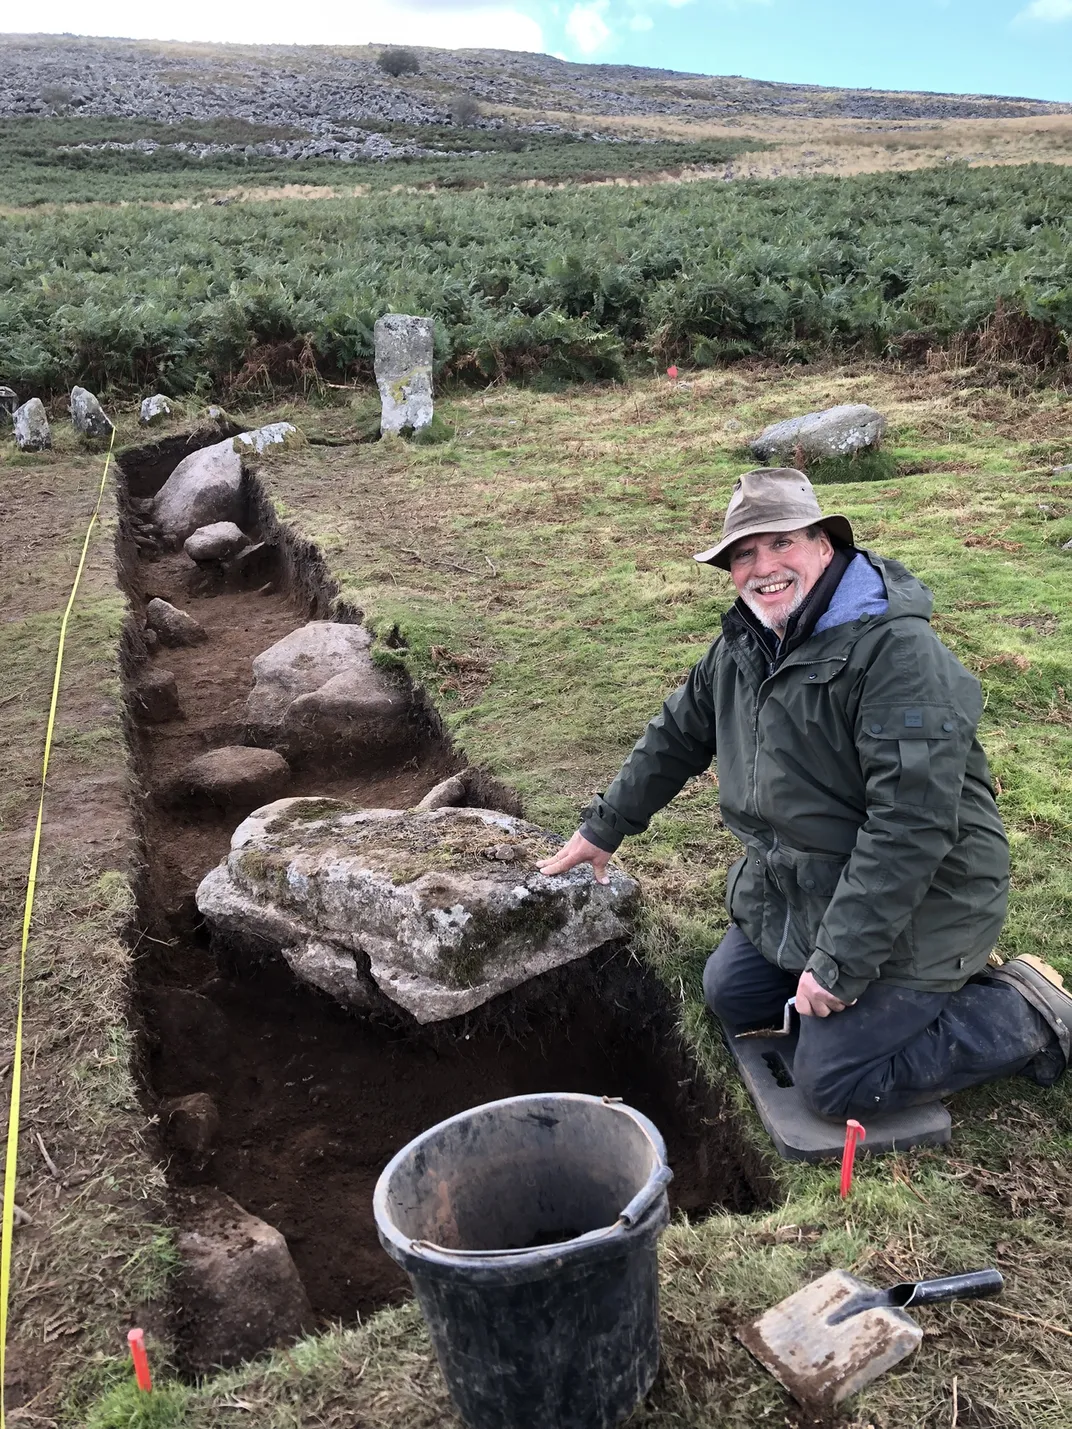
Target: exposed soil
[{"x": 313, "y": 1100}]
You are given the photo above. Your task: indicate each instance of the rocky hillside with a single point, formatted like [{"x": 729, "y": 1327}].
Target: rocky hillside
[{"x": 322, "y": 91}]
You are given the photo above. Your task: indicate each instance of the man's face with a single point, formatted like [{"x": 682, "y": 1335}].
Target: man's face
[{"x": 774, "y": 572}]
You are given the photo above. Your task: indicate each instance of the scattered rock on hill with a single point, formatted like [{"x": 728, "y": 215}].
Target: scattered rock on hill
[
  {"x": 32, "y": 432},
  {"x": 235, "y": 774},
  {"x": 319, "y": 683},
  {"x": 154, "y": 409},
  {"x": 155, "y": 695},
  {"x": 239, "y": 1288},
  {"x": 173, "y": 626},
  {"x": 404, "y": 371},
  {"x": 838, "y": 431},
  {"x": 215, "y": 542},
  {"x": 88, "y": 415},
  {"x": 9, "y": 401},
  {"x": 442, "y": 909},
  {"x": 205, "y": 487}
]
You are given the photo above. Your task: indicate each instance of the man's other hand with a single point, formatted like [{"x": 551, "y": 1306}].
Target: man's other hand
[
  {"x": 578, "y": 850},
  {"x": 813, "y": 1000}
]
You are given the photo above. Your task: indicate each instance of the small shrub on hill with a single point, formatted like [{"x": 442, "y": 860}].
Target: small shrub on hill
[
  {"x": 464, "y": 110},
  {"x": 398, "y": 62}
]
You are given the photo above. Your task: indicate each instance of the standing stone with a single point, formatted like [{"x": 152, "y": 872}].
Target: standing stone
[
  {"x": 8, "y": 402},
  {"x": 88, "y": 415},
  {"x": 154, "y": 409},
  {"x": 404, "y": 371},
  {"x": 32, "y": 432}
]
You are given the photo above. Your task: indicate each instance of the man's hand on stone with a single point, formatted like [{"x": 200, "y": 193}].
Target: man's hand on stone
[
  {"x": 578, "y": 850},
  {"x": 813, "y": 1000}
]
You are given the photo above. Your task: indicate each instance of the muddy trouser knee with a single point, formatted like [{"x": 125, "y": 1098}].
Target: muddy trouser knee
[
  {"x": 742, "y": 988},
  {"x": 897, "y": 1047}
]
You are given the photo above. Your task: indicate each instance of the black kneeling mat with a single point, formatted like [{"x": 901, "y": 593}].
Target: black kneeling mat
[{"x": 766, "y": 1064}]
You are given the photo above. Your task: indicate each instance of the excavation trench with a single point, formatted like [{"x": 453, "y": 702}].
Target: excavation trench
[{"x": 313, "y": 1100}]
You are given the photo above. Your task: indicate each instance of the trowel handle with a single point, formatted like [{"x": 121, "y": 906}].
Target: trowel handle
[{"x": 975, "y": 1285}]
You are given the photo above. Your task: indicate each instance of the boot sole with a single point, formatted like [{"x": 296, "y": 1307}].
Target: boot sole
[{"x": 1044, "y": 990}]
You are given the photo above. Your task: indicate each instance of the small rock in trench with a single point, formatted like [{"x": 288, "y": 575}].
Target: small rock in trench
[
  {"x": 450, "y": 793},
  {"x": 190, "y": 1122},
  {"x": 155, "y": 694},
  {"x": 173, "y": 626},
  {"x": 239, "y": 1288},
  {"x": 236, "y": 774},
  {"x": 215, "y": 542},
  {"x": 191, "y": 1036}
]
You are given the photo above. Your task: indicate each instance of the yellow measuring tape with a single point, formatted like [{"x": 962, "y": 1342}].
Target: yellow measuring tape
[{"x": 11, "y": 1157}]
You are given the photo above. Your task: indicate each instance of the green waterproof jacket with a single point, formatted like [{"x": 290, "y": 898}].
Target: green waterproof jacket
[{"x": 853, "y": 777}]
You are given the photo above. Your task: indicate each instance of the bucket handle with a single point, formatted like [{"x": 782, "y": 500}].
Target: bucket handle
[{"x": 637, "y": 1208}]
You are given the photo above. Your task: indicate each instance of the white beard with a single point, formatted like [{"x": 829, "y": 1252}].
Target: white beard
[{"x": 776, "y": 620}]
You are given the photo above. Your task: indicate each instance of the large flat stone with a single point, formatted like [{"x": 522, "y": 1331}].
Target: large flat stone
[
  {"x": 837, "y": 431},
  {"x": 440, "y": 909}
]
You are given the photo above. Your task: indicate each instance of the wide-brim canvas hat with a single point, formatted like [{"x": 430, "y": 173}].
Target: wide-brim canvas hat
[{"x": 777, "y": 498}]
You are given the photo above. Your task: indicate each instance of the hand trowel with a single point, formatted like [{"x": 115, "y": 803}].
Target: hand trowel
[{"x": 838, "y": 1334}]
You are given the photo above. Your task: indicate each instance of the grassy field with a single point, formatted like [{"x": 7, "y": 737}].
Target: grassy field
[
  {"x": 537, "y": 566},
  {"x": 94, "y": 1248},
  {"x": 545, "y": 285}
]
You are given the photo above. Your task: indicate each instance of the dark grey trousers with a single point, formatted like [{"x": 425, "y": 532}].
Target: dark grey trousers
[{"x": 893, "y": 1048}]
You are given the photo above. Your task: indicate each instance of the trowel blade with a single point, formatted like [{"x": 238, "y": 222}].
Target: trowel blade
[{"x": 821, "y": 1364}]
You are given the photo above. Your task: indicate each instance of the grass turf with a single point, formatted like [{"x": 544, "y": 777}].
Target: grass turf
[{"x": 537, "y": 568}]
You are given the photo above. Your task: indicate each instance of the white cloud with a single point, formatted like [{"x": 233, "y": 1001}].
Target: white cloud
[
  {"x": 1048, "y": 11},
  {"x": 641, "y": 23},
  {"x": 451, "y": 24},
  {"x": 587, "y": 28}
]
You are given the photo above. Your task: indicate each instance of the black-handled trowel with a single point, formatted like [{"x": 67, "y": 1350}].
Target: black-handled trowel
[{"x": 838, "y": 1334}]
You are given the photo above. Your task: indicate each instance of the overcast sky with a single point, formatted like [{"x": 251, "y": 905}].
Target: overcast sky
[{"x": 982, "y": 46}]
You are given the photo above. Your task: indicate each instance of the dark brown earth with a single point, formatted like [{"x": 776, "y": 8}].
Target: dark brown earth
[{"x": 314, "y": 1101}]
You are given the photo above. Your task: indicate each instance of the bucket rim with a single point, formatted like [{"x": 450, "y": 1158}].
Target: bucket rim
[{"x": 405, "y": 1248}]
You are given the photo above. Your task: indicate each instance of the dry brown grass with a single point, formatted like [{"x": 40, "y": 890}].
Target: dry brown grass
[{"x": 847, "y": 146}]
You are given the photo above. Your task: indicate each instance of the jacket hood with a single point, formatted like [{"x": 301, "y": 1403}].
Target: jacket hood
[{"x": 907, "y": 595}]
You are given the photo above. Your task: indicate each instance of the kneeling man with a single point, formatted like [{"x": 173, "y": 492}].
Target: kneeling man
[{"x": 875, "y": 875}]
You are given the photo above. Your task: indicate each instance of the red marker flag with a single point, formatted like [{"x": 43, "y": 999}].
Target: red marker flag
[
  {"x": 854, "y": 1132},
  {"x": 136, "y": 1341}
]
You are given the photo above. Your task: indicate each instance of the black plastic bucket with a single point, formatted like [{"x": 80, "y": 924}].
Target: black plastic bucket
[{"x": 528, "y": 1227}]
